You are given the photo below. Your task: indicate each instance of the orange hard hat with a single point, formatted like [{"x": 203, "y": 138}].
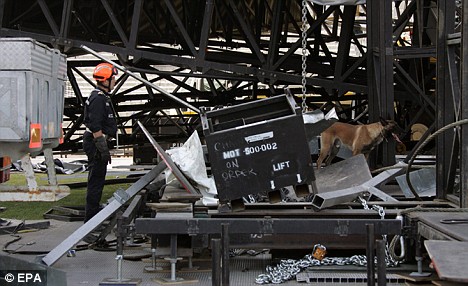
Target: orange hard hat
[{"x": 104, "y": 71}]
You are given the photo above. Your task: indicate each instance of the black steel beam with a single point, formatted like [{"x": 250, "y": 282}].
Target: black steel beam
[
  {"x": 445, "y": 104},
  {"x": 386, "y": 96},
  {"x": 135, "y": 24},
  {"x": 403, "y": 20},
  {"x": 341, "y": 227},
  {"x": 312, "y": 27},
  {"x": 206, "y": 28},
  {"x": 275, "y": 34},
  {"x": 380, "y": 72},
  {"x": 245, "y": 29},
  {"x": 414, "y": 85},
  {"x": 66, "y": 17},
  {"x": 115, "y": 22},
  {"x": 344, "y": 45},
  {"x": 49, "y": 17},
  {"x": 464, "y": 107},
  {"x": 2, "y": 10},
  {"x": 182, "y": 29}
]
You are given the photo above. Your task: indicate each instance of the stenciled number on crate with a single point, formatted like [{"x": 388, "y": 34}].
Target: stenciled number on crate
[{"x": 261, "y": 148}]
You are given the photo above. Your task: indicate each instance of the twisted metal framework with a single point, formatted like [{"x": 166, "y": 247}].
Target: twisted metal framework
[{"x": 379, "y": 59}]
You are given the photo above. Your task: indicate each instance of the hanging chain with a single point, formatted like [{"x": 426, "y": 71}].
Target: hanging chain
[
  {"x": 376, "y": 208},
  {"x": 389, "y": 259},
  {"x": 304, "y": 54}
]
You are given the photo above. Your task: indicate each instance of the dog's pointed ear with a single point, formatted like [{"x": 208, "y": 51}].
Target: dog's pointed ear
[{"x": 383, "y": 121}]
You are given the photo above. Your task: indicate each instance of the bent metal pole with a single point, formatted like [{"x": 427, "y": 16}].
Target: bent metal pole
[{"x": 123, "y": 69}]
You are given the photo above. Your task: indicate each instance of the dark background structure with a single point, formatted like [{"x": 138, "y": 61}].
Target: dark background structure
[{"x": 401, "y": 60}]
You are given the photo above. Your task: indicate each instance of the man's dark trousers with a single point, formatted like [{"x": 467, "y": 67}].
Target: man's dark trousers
[{"x": 96, "y": 177}]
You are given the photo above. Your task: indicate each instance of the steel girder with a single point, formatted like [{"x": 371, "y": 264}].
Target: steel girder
[
  {"x": 186, "y": 33},
  {"x": 451, "y": 107},
  {"x": 204, "y": 38},
  {"x": 272, "y": 232},
  {"x": 452, "y": 73},
  {"x": 401, "y": 66},
  {"x": 463, "y": 107},
  {"x": 448, "y": 84},
  {"x": 241, "y": 49},
  {"x": 194, "y": 226}
]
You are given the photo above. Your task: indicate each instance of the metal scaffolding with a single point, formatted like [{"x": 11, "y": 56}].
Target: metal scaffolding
[{"x": 395, "y": 59}]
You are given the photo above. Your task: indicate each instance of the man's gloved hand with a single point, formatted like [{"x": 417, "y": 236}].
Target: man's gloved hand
[{"x": 101, "y": 146}]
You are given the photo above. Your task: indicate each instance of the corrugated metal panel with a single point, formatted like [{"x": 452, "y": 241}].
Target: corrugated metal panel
[
  {"x": 28, "y": 54},
  {"x": 13, "y": 106},
  {"x": 32, "y": 87}
]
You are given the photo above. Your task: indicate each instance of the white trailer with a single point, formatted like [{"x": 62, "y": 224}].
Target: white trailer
[{"x": 32, "y": 87}]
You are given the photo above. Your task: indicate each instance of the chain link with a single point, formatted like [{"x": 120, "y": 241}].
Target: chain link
[
  {"x": 389, "y": 259},
  {"x": 363, "y": 203},
  {"x": 376, "y": 208},
  {"x": 304, "y": 54},
  {"x": 289, "y": 268}
]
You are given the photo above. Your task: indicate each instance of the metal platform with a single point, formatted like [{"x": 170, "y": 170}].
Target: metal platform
[
  {"x": 90, "y": 267},
  {"x": 442, "y": 225}
]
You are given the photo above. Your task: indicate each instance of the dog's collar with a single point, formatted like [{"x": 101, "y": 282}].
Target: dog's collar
[{"x": 383, "y": 135}]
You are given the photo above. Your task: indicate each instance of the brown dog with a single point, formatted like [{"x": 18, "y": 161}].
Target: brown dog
[{"x": 358, "y": 138}]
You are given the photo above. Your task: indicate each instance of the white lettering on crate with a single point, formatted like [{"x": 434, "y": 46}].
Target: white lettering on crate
[
  {"x": 231, "y": 154},
  {"x": 280, "y": 166},
  {"x": 232, "y": 164},
  {"x": 260, "y": 148},
  {"x": 235, "y": 174}
]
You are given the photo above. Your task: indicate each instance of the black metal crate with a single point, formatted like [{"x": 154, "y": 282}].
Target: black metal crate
[{"x": 257, "y": 147}]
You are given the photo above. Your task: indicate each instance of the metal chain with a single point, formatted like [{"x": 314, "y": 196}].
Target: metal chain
[
  {"x": 363, "y": 203},
  {"x": 304, "y": 54},
  {"x": 289, "y": 268},
  {"x": 389, "y": 259},
  {"x": 376, "y": 208}
]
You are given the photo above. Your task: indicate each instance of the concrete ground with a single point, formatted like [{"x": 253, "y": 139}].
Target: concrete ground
[
  {"x": 91, "y": 267},
  {"x": 95, "y": 266}
]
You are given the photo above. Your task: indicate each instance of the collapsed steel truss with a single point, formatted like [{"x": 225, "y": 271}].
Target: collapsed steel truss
[{"x": 396, "y": 59}]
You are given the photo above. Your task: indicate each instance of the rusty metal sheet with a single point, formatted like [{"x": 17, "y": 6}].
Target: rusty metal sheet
[{"x": 449, "y": 259}]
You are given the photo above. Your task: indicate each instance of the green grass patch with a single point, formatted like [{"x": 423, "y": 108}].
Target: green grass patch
[{"x": 35, "y": 210}]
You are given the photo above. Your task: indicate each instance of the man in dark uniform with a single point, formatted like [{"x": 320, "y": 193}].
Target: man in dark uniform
[{"x": 100, "y": 125}]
